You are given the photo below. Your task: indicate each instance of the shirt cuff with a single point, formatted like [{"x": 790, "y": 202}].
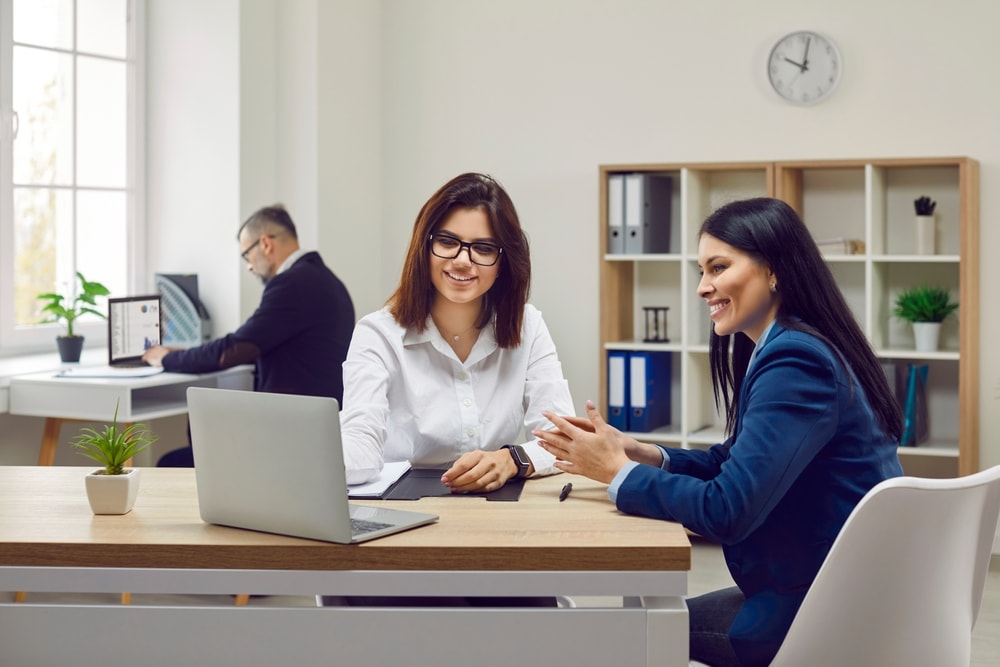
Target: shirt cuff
[
  {"x": 619, "y": 480},
  {"x": 627, "y": 468}
]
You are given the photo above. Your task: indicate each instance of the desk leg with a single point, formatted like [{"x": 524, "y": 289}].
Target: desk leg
[
  {"x": 20, "y": 596},
  {"x": 242, "y": 599},
  {"x": 50, "y": 440}
]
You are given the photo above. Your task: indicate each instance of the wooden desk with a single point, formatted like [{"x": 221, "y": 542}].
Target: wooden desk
[
  {"x": 50, "y": 541},
  {"x": 139, "y": 399}
]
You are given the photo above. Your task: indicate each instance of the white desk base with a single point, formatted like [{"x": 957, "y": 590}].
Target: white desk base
[{"x": 650, "y": 629}]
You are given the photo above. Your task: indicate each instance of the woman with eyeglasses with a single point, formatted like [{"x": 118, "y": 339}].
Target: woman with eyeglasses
[{"x": 457, "y": 365}]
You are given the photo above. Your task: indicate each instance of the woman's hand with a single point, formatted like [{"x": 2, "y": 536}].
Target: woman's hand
[
  {"x": 480, "y": 471},
  {"x": 588, "y": 447}
]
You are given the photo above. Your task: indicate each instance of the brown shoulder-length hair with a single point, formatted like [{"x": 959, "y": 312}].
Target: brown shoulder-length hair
[{"x": 504, "y": 303}]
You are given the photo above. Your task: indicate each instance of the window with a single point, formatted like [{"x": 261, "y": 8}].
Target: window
[{"x": 69, "y": 169}]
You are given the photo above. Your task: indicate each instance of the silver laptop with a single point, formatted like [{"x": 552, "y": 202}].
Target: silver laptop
[
  {"x": 134, "y": 326},
  {"x": 275, "y": 463}
]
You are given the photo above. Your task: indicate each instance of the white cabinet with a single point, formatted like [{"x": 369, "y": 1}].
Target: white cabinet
[{"x": 867, "y": 200}]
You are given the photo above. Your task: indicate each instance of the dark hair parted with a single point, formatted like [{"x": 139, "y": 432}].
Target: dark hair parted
[
  {"x": 772, "y": 233},
  {"x": 271, "y": 220},
  {"x": 504, "y": 303}
]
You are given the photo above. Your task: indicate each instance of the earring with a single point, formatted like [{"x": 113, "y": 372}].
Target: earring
[{"x": 774, "y": 287}]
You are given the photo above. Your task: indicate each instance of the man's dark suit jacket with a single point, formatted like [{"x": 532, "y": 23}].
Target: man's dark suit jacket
[
  {"x": 805, "y": 448},
  {"x": 298, "y": 336}
]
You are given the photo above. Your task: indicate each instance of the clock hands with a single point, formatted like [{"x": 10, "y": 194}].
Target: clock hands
[{"x": 803, "y": 66}]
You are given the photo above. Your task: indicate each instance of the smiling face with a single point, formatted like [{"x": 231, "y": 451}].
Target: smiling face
[
  {"x": 459, "y": 280},
  {"x": 736, "y": 288}
]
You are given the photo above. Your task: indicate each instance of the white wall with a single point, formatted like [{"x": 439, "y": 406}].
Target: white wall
[{"x": 193, "y": 146}]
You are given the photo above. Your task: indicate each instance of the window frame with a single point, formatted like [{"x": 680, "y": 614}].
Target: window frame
[{"x": 39, "y": 338}]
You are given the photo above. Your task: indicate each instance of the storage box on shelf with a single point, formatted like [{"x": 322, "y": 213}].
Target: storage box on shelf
[{"x": 866, "y": 203}]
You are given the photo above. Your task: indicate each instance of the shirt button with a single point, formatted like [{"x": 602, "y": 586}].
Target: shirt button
[
  {"x": 471, "y": 432},
  {"x": 467, "y": 402},
  {"x": 463, "y": 377}
]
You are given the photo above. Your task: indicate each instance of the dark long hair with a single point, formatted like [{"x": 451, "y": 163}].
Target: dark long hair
[
  {"x": 411, "y": 303},
  {"x": 772, "y": 233}
]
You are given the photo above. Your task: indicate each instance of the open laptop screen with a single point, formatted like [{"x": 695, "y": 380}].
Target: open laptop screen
[{"x": 133, "y": 327}]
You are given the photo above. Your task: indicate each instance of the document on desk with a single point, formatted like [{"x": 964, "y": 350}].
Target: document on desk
[
  {"x": 391, "y": 472},
  {"x": 108, "y": 372}
]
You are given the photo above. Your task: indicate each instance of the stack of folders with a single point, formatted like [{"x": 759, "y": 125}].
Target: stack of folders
[
  {"x": 639, "y": 213},
  {"x": 638, "y": 390}
]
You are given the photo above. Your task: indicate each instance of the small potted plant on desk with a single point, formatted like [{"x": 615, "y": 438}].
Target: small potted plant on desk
[
  {"x": 59, "y": 308},
  {"x": 925, "y": 307},
  {"x": 113, "y": 488}
]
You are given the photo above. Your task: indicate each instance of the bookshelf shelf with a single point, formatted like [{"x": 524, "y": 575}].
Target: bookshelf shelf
[{"x": 866, "y": 200}]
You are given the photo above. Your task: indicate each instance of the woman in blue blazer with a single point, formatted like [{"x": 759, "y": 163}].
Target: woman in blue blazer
[{"x": 811, "y": 420}]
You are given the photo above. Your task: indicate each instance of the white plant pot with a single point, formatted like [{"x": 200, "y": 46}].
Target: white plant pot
[
  {"x": 112, "y": 494},
  {"x": 926, "y": 235},
  {"x": 926, "y": 336}
]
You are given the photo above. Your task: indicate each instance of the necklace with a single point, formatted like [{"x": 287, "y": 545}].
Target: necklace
[{"x": 455, "y": 337}]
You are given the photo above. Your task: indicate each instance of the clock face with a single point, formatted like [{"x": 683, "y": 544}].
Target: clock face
[{"x": 804, "y": 67}]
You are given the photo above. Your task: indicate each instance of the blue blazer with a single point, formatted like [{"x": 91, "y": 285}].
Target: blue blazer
[
  {"x": 805, "y": 448},
  {"x": 298, "y": 336}
]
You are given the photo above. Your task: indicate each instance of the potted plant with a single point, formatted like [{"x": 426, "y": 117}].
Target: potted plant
[
  {"x": 925, "y": 306},
  {"x": 61, "y": 308},
  {"x": 926, "y": 232},
  {"x": 113, "y": 488}
]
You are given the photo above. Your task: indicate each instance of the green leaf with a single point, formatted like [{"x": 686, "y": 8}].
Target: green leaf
[
  {"x": 113, "y": 446},
  {"x": 62, "y": 309},
  {"x": 924, "y": 303}
]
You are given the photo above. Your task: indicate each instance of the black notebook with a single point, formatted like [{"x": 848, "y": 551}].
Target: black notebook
[{"x": 419, "y": 483}]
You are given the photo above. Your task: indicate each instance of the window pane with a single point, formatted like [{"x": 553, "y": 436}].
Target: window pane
[
  {"x": 44, "y": 23},
  {"x": 102, "y": 27},
  {"x": 43, "y": 228},
  {"x": 43, "y": 99},
  {"x": 101, "y": 126},
  {"x": 101, "y": 238}
]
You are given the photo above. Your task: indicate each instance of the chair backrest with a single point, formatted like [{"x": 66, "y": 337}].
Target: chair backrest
[{"x": 904, "y": 580}]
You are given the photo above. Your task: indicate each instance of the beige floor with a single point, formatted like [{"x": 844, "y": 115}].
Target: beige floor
[{"x": 708, "y": 573}]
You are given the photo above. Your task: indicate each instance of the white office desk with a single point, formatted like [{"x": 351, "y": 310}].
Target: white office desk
[
  {"x": 139, "y": 399},
  {"x": 51, "y": 542}
]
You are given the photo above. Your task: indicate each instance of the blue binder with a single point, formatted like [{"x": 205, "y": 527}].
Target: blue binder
[
  {"x": 649, "y": 391},
  {"x": 618, "y": 404}
]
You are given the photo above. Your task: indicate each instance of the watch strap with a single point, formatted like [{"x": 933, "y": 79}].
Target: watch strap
[{"x": 520, "y": 457}]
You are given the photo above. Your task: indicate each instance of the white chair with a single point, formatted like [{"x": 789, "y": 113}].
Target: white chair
[{"x": 903, "y": 582}]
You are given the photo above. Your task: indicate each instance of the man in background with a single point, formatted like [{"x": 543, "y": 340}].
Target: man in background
[{"x": 299, "y": 334}]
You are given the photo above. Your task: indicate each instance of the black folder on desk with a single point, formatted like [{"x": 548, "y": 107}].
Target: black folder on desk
[{"x": 420, "y": 483}]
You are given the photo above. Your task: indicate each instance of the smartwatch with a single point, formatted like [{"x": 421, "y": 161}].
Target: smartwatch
[{"x": 520, "y": 457}]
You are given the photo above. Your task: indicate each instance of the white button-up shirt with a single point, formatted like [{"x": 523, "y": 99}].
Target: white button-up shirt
[{"x": 408, "y": 397}]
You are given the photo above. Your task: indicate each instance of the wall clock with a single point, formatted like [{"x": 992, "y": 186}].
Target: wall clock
[{"x": 804, "y": 67}]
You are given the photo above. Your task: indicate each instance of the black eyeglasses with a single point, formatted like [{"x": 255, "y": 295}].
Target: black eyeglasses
[
  {"x": 482, "y": 253},
  {"x": 247, "y": 251}
]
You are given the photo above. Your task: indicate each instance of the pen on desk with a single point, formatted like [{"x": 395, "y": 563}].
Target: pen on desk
[{"x": 565, "y": 491}]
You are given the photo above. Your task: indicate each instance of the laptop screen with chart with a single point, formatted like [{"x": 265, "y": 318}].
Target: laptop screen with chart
[{"x": 133, "y": 327}]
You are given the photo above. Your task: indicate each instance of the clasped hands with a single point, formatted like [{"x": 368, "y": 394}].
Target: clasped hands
[{"x": 591, "y": 447}]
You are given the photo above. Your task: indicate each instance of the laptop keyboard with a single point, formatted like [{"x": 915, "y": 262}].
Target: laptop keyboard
[{"x": 362, "y": 526}]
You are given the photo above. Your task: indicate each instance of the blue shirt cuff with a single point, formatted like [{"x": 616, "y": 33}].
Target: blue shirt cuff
[
  {"x": 619, "y": 479},
  {"x": 626, "y": 469}
]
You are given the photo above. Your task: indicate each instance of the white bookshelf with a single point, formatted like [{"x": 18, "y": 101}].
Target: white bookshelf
[{"x": 869, "y": 200}]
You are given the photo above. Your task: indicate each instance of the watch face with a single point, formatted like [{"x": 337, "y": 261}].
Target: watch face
[{"x": 804, "y": 67}]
